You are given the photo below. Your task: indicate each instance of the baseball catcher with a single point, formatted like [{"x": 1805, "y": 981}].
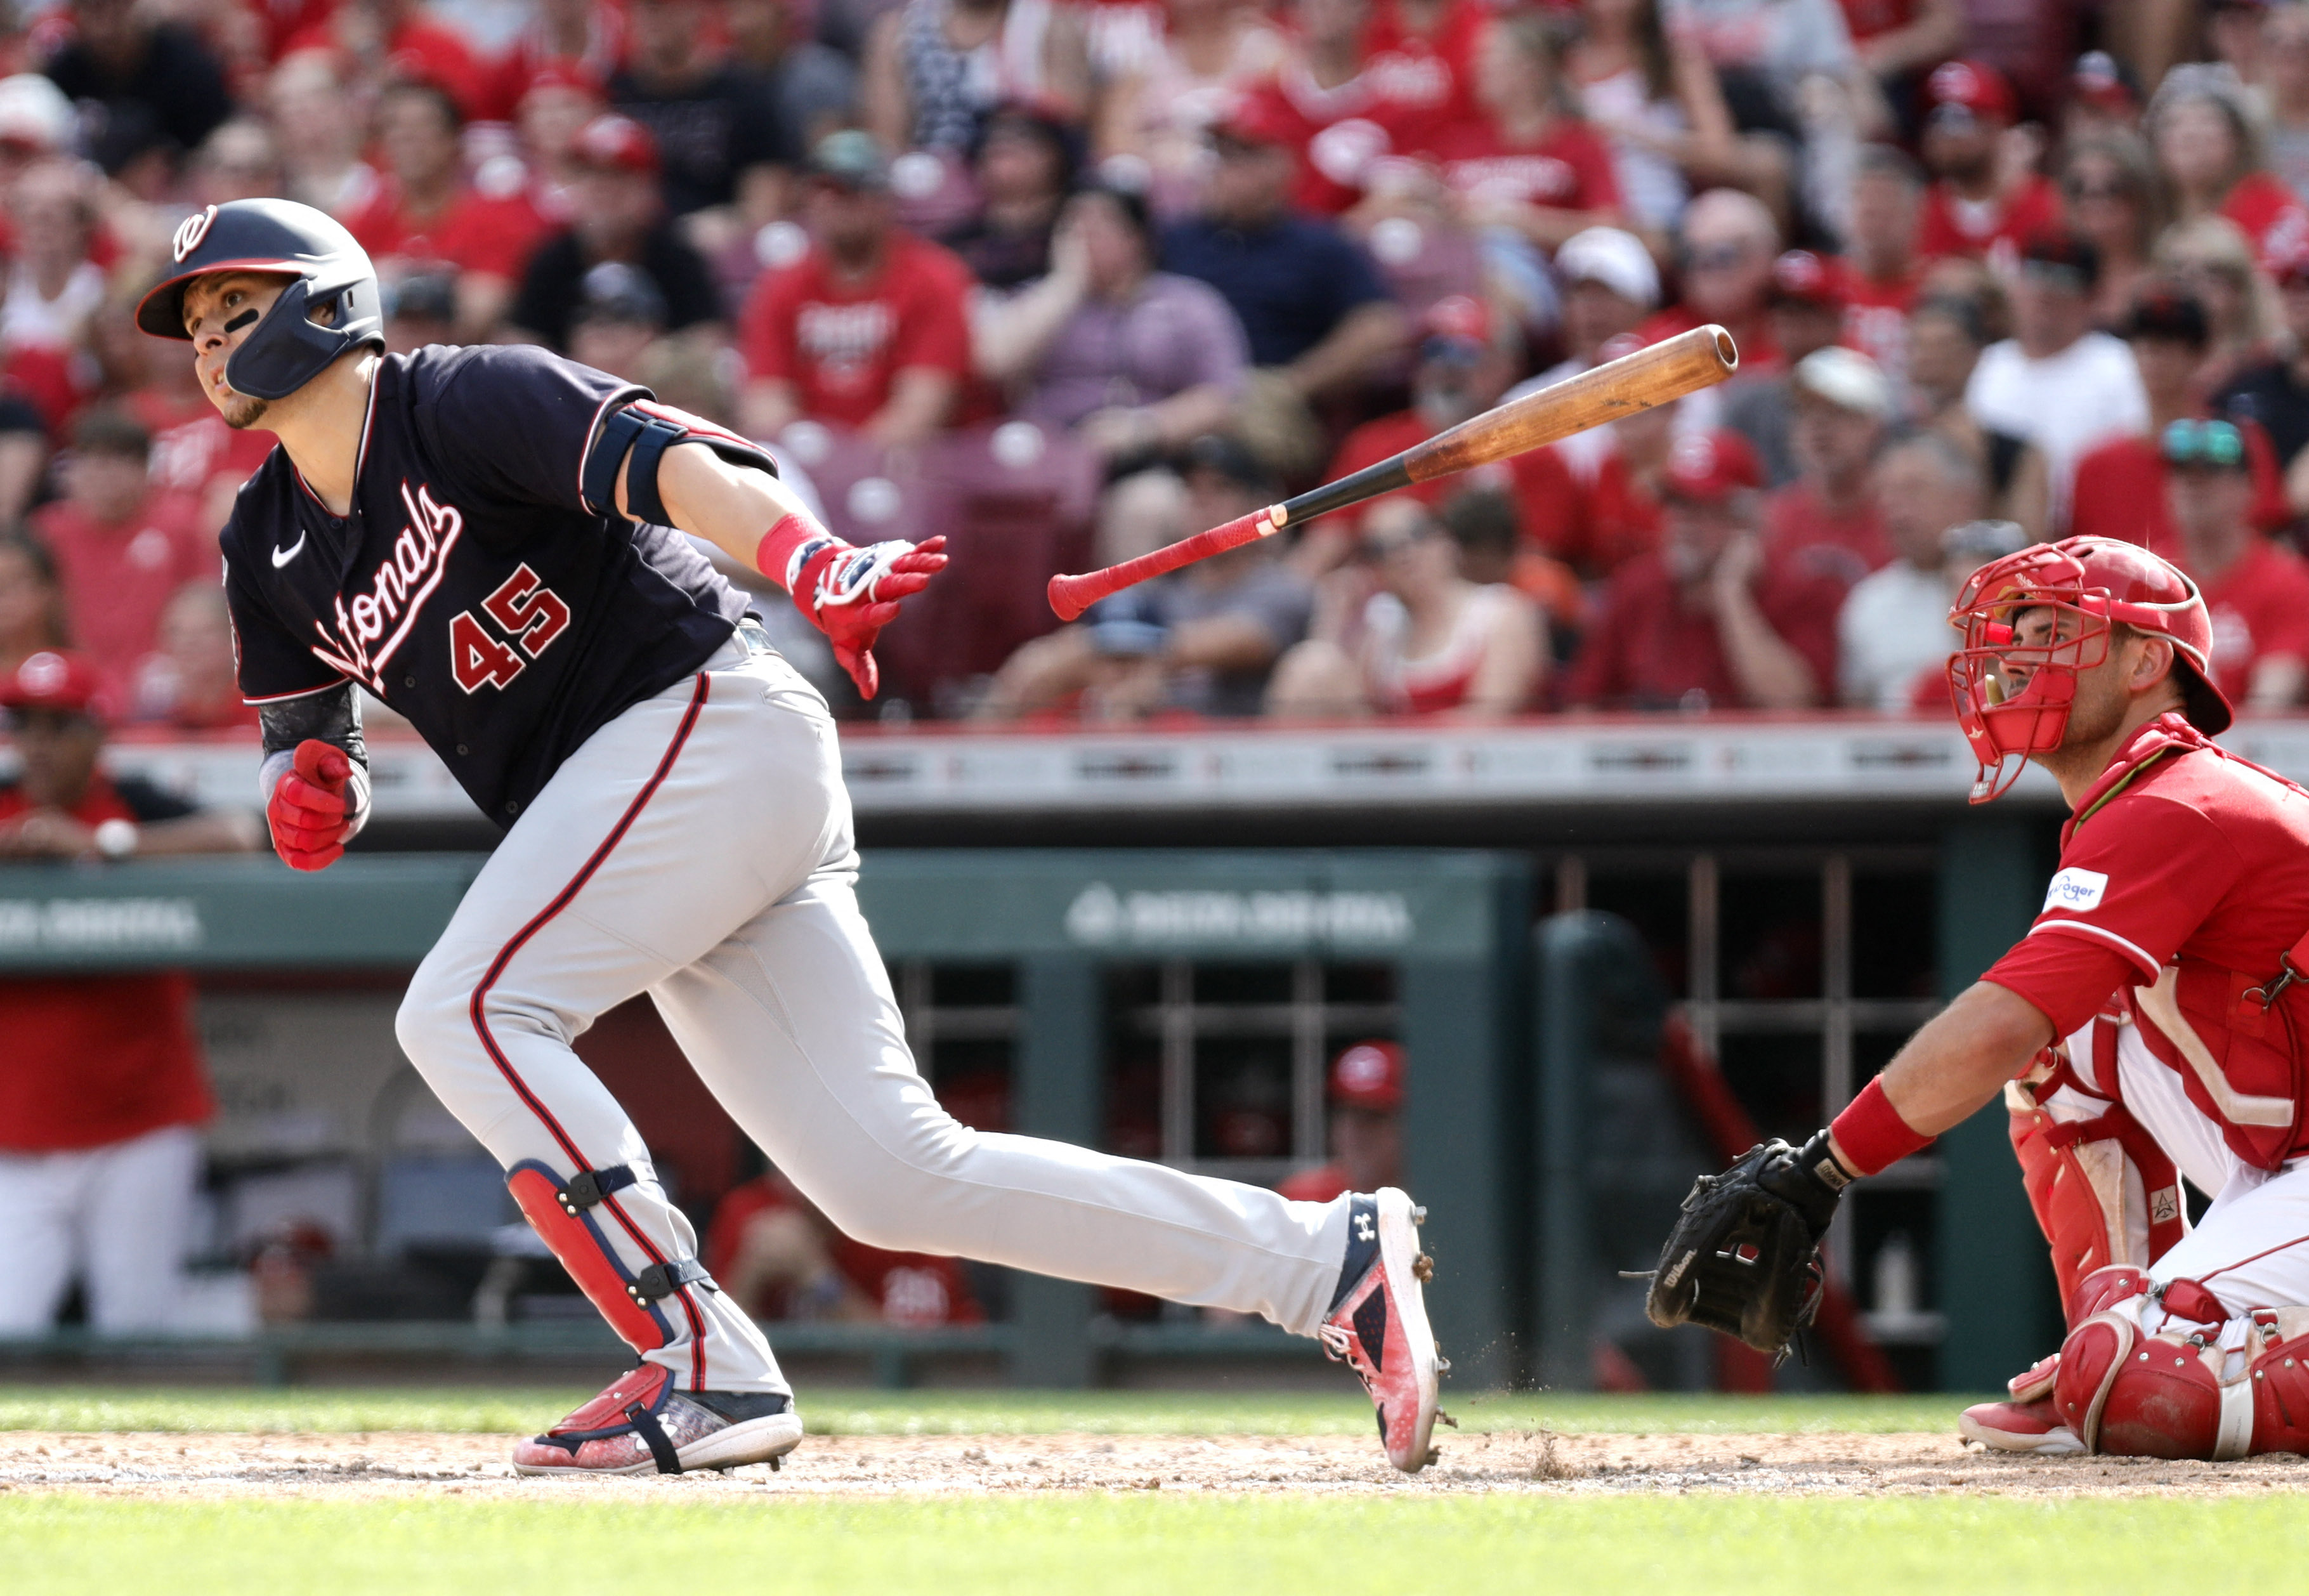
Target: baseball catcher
[
  {"x": 490, "y": 541},
  {"x": 2150, "y": 1028}
]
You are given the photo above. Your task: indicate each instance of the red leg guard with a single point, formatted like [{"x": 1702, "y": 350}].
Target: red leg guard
[
  {"x": 585, "y": 1252},
  {"x": 2104, "y": 1193},
  {"x": 2280, "y": 1379},
  {"x": 2129, "y": 1396},
  {"x": 2104, "y": 1289}
]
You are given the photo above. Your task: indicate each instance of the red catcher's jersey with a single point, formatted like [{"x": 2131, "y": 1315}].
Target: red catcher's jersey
[{"x": 2183, "y": 877}]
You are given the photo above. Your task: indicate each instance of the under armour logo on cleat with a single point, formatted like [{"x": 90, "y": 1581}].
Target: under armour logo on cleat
[{"x": 1363, "y": 1231}]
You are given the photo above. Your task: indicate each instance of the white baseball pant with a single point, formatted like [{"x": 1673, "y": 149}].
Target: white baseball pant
[
  {"x": 699, "y": 848},
  {"x": 115, "y": 1215},
  {"x": 2251, "y": 1248}
]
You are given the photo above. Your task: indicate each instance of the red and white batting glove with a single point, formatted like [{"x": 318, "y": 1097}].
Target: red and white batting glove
[
  {"x": 311, "y": 810},
  {"x": 847, "y": 593}
]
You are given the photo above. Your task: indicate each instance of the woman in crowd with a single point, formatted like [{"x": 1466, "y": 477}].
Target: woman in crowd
[
  {"x": 2110, "y": 190},
  {"x": 32, "y": 602},
  {"x": 935, "y": 68},
  {"x": 2208, "y": 156},
  {"x": 1656, "y": 100},
  {"x": 2212, "y": 259},
  {"x": 1422, "y": 640},
  {"x": 1532, "y": 166}
]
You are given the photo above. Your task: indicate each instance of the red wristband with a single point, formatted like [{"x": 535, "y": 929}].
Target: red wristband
[
  {"x": 775, "y": 556},
  {"x": 1871, "y": 1134}
]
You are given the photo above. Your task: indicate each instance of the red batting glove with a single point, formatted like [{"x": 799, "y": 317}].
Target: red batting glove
[
  {"x": 850, "y": 594},
  {"x": 310, "y": 813}
]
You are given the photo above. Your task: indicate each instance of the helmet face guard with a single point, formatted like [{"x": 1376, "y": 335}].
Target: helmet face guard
[
  {"x": 2033, "y": 622},
  {"x": 287, "y": 350}
]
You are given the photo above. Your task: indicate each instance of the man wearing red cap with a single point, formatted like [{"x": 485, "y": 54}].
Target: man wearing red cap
[
  {"x": 1707, "y": 622},
  {"x": 1366, "y": 1126},
  {"x": 2257, "y": 590},
  {"x": 1805, "y": 312},
  {"x": 619, "y": 215},
  {"x": 1980, "y": 203},
  {"x": 100, "y": 1078}
]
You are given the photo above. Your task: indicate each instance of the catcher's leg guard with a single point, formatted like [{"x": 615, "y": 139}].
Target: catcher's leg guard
[
  {"x": 2128, "y": 1393},
  {"x": 2103, "y": 1191},
  {"x": 562, "y": 1214}
]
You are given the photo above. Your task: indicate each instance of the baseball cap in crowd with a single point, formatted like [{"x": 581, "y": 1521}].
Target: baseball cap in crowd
[
  {"x": 1369, "y": 1075},
  {"x": 2101, "y": 81},
  {"x": 1971, "y": 91},
  {"x": 34, "y": 114},
  {"x": 614, "y": 291},
  {"x": 616, "y": 143},
  {"x": 1709, "y": 467},
  {"x": 2170, "y": 314},
  {"x": 52, "y": 679},
  {"x": 2217, "y": 444},
  {"x": 1616, "y": 259},
  {"x": 1971, "y": 544},
  {"x": 1846, "y": 379},
  {"x": 1253, "y": 121},
  {"x": 2061, "y": 255},
  {"x": 850, "y": 159},
  {"x": 1457, "y": 322},
  {"x": 422, "y": 296},
  {"x": 1232, "y": 458},
  {"x": 1800, "y": 277}
]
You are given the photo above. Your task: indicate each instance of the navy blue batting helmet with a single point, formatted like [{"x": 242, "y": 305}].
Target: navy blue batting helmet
[{"x": 288, "y": 349}]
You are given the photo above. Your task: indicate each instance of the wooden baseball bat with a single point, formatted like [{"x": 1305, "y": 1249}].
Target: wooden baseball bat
[{"x": 1667, "y": 370}]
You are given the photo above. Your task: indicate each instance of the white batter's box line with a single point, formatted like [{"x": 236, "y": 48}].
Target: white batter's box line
[
  {"x": 1100, "y": 916},
  {"x": 93, "y": 924}
]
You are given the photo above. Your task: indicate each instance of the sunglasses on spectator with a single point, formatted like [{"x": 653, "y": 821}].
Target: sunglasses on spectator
[
  {"x": 45, "y": 722},
  {"x": 1714, "y": 257},
  {"x": 2215, "y": 444},
  {"x": 2115, "y": 188}
]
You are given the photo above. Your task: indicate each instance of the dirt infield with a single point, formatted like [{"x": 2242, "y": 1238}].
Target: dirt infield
[{"x": 163, "y": 1466}]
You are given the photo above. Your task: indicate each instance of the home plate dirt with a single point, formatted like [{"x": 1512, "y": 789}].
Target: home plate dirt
[{"x": 1541, "y": 1462}]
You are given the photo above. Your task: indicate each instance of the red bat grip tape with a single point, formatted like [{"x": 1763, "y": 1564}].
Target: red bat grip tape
[{"x": 1071, "y": 595}]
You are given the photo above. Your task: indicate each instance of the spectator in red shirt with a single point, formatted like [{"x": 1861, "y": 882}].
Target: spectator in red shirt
[
  {"x": 1365, "y": 1129},
  {"x": 1422, "y": 61},
  {"x": 1730, "y": 242},
  {"x": 425, "y": 215},
  {"x": 1327, "y": 109},
  {"x": 395, "y": 42},
  {"x": 101, "y": 1082},
  {"x": 578, "y": 42},
  {"x": 122, "y": 548},
  {"x": 2208, "y": 153},
  {"x": 1825, "y": 522},
  {"x": 1709, "y": 622},
  {"x": 1530, "y": 164},
  {"x": 2120, "y": 489},
  {"x": 2258, "y": 593},
  {"x": 1883, "y": 276},
  {"x": 780, "y": 1258},
  {"x": 869, "y": 329},
  {"x": 1981, "y": 203}
]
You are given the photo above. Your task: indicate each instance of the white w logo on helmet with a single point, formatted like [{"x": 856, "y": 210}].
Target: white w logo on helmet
[{"x": 190, "y": 232}]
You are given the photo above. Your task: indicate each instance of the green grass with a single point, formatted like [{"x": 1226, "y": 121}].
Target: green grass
[
  {"x": 519, "y": 1410},
  {"x": 1467, "y": 1546}
]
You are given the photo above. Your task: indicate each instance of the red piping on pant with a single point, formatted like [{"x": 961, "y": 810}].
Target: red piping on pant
[{"x": 504, "y": 956}]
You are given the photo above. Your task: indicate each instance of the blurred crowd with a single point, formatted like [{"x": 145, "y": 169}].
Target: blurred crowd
[{"x": 1064, "y": 279}]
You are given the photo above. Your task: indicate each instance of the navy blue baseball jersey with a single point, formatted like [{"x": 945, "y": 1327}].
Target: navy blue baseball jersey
[{"x": 473, "y": 588}]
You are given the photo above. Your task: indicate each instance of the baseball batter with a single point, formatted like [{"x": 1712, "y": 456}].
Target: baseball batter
[
  {"x": 483, "y": 538},
  {"x": 2152, "y": 1026}
]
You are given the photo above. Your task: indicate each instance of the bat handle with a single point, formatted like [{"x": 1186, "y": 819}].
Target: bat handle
[{"x": 1071, "y": 595}]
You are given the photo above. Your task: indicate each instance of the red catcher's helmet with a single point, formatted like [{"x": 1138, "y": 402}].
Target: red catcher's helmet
[{"x": 2013, "y": 699}]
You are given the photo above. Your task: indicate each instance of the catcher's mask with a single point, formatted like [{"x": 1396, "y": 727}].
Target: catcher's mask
[
  {"x": 288, "y": 349},
  {"x": 2035, "y": 620}
]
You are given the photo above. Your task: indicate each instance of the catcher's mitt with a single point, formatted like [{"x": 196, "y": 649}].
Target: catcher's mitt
[{"x": 1745, "y": 1256}]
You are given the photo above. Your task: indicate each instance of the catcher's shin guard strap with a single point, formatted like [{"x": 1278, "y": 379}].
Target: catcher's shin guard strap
[
  {"x": 587, "y": 1187},
  {"x": 574, "y": 1238}
]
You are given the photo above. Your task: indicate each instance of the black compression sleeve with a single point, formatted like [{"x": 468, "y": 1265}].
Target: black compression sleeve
[{"x": 332, "y": 715}]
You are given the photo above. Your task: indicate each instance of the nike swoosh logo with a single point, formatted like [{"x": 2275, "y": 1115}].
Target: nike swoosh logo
[{"x": 281, "y": 557}]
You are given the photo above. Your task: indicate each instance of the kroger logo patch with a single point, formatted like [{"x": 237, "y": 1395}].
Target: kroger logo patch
[{"x": 2076, "y": 889}]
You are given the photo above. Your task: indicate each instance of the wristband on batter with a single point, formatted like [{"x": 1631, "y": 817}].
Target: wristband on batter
[
  {"x": 787, "y": 548},
  {"x": 1872, "y": 1136}
]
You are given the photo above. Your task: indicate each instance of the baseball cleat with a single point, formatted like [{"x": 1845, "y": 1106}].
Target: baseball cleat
[
  {"x": 2032, "y": 1427},
  {"x": 1377, "y": 1323},
  {"x": 641, "y": 1425}
]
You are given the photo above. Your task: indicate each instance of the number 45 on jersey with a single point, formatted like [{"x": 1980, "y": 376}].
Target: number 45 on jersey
[{"x": 532, "y": 616}]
